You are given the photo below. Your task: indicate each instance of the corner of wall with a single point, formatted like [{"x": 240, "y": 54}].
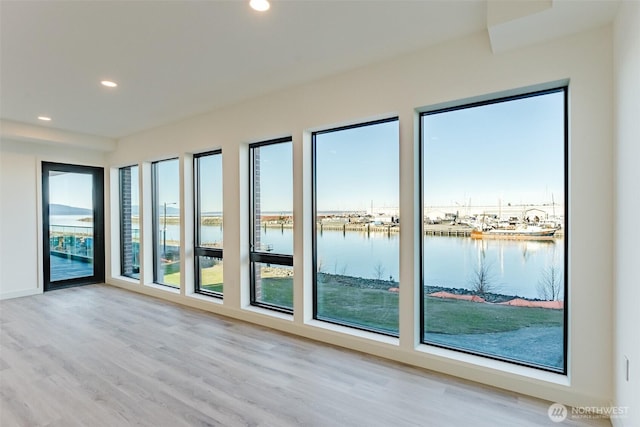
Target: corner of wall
[{"x": 626, "y": 67}]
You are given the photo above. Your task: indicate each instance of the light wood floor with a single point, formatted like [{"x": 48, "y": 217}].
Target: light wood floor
[{"x": 102, "y": 356}]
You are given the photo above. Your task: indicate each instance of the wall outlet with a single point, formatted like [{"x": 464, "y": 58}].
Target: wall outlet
[{"x": 626, "y": 368}]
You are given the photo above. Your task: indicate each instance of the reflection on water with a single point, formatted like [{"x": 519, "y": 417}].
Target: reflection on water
[{"x": 515, "y": 267}]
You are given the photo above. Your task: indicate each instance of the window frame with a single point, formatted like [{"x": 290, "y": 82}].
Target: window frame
[
  {"x": 314, "y": 205},
  {"x": 155, "y": 217},
  {"x": 463, "y": 105},
  {"x": 122, "y": 225},
  {"x": 98, "y": 190},
  {"x": 199, "y": 250},
  {"x": 256, "y": 256}
]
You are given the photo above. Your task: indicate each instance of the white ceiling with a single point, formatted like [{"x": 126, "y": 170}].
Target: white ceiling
[{"x": 174, "y": 59}]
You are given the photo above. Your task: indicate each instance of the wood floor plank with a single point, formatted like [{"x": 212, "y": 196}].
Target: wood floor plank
[{"x": 101, "y": 356}]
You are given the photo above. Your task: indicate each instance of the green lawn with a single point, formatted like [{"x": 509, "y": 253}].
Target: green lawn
[
  {"x": 277, "y": 291},
  {"x": 369, "y": 308},
  {"x": 210, "y": 280},
  {"x": 172, "y": 279},
  {"x": 377, "y": 309},
  {"x": 449, "y": 316}
]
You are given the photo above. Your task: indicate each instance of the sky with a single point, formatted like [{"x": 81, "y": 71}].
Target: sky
[
  {"x": 357, "y": 167},
  {"x": 168, "y": 181},
  {"x": 210, "y": 171},
  {"x": 276, "y": 177},
  {"x": 75, "y": 189},
  {"x": 501, "y": 153},
  {"x": 71, "y": 189},
  {"x": 135, "y": 199},
  {"x": 509, "y": 152}
]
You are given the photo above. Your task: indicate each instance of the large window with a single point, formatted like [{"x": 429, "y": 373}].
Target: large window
[
  {"x": 272, "y": 224},
  {"x": 356, "y": 218},
  {"x": 494, "y": 231},
  {"x": 166, "y": 222},
  {"x": 208, "y": 237},
  {"x": 129, "y": 223}
]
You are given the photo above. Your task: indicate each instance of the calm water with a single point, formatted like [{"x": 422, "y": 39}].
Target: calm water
[
  {"x": 70, "y": 220},
  {"x": 514, "y": 267}
]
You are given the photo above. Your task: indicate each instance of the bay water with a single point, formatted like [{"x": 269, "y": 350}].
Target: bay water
[{"x": 513, "y": 267}]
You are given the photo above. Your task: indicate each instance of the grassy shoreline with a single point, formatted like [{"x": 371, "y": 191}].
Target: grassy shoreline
[{"x": 369, "y": 303}]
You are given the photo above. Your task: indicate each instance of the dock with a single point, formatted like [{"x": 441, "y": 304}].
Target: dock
[{"x": 447, "y": 230}]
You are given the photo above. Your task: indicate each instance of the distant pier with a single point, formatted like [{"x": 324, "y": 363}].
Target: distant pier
[
  {"x": 363, "y": 228},
  {"x": 430, "y": 230},
  {"x": 457, "y": 230},
  {"x": 447, "y": 230}
]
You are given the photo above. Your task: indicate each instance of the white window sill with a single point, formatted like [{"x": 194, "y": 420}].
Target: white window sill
[
  {"x": 495, "y": 365},
  {"x": 163, "y": 288},
  {"x": 371, "y": 336},
  {"x": 269, "y": 313},
  {"x": 206, "y": 298}
]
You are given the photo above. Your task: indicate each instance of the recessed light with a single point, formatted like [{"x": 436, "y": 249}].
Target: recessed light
[
  {"x": 44, "y": 118},
  {"x": 109, "y": 83},
  {"x": 260, "y": 5}
]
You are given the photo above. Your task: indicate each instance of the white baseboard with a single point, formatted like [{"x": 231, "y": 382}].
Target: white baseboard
[{"x": 19, "y": 294}]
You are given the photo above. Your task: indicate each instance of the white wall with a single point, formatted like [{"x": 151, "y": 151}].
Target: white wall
[
  {"x": 21, "y": 212},
  {"x": 455, "y": 70},
  {"x": 627, "y": 176}
]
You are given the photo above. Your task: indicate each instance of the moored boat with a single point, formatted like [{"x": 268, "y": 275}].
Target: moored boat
[{"x": 518, "y": 232}]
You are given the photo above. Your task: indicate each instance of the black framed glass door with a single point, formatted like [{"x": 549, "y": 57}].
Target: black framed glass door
[{"x": 73, "y": 225}]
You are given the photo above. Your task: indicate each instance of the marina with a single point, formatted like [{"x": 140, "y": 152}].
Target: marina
[{"x": 354, "y": 245}]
